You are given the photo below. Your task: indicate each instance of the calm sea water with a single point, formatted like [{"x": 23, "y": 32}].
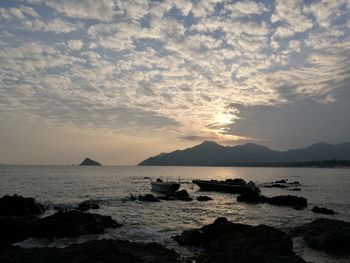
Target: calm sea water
[{"x": 110, "y": 185}]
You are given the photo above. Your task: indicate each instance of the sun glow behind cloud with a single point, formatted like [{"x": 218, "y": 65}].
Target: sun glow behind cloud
[{"x": 172, "y": 69}]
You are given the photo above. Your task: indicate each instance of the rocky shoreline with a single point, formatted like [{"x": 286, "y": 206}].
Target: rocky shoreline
[{"x": 221, "y": 241}]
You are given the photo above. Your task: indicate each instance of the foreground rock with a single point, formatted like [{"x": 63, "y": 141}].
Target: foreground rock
[
  {"x": 204, "y": 235},
  {"x": 17, "y": 205},
  {"x": 65, "y": 224},
  {"x": 225, "y": 241},
  {"x": 281, "y": 200},
  {"x": 15, "y": 229},
  {"x": 89, "y": 162},
  {"x": 329, "y": 235},
  {"x": 72, "y": 224},
  {"x": 106, "y": 251},
  {"x": 323, "y": 210},
  {"x": 257, "y": 244}
]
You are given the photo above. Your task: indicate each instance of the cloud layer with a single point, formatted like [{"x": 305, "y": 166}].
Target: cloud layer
[{"x": 188, "y": 70}]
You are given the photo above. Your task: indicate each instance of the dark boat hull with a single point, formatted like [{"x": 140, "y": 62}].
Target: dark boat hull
[{"x": 220, "y": 186}]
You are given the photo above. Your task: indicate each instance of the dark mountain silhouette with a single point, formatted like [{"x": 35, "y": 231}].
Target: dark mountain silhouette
[
  {"x": 212, "y": 154},
  {"x": 90, "y": 162}
]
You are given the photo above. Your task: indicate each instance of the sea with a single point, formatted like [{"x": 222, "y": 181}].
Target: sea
[{"x": 111, "y": 187}]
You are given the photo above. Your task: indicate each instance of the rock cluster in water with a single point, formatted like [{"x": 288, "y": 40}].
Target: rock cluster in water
[
  {"x": 281, "y": 200},
  {"x": 19, "y": 221},
  {"x": 329, "y": 235},
  {"x": 323, "y": 210},
  {"x": 224, "y": 241}
]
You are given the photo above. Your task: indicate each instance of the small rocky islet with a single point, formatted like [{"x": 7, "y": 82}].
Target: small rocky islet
[{"x": 222, "y": 241}]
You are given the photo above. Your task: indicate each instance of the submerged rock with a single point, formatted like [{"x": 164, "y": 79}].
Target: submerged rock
[
  {"x": 225, "y": 241},
  {"x": 97, "y": 251},
  {"x": 283, "y": 181},
  {"x": 281, "y": 200},
  {"x": 329, "y": 235},
  {"x": 89, "y": 162},
  {"x": 276, "y": 186},
  {"x": 182, "y": 195},
  {"x": 17, "y": 205},
  {"x": 323, "y": 210},
  {"x": 202, "y": 198},
  {"x": 148, "y": 198},
  {"x": 87, "y": 205},
  {"x": 288, "y": 200},
  {"x": 251, "y": 197}
]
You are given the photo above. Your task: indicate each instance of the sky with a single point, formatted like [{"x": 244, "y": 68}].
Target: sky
[{"x": 120, "y": 81}]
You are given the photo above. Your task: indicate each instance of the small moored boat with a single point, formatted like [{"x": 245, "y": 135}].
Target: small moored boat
[
  {"x": 235, "y": 186},
  {"x": 164, "y": 187}
]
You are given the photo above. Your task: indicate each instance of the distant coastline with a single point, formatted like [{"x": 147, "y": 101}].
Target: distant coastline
[{"x": 312, "y": 164}]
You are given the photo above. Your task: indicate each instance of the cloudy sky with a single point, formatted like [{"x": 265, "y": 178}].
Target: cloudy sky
[{"x": 121, "y": 80}]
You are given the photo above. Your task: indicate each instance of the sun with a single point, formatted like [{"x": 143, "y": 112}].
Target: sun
[{"x": 223, "y": 119}]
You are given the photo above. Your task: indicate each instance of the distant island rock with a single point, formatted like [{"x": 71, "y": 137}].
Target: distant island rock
[
  {"x": 211, "y": 153},
  {"x": 89, "y": 162}
]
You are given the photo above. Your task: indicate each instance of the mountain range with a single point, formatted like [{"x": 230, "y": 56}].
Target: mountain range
[{"x": 210, "y": 153}]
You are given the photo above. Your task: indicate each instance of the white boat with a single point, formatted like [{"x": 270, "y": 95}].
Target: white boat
[{"x": 164, "y": 187}]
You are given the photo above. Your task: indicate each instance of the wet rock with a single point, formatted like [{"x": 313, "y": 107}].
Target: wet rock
[
  {"x": 276, "y": 186},
  {"x": 283, "y": 181},
  {"x": 87, "y": 205},
  {"x": 329, "y": 235},
  {"x": 148, "y": 198},
  {"x": 225, "y": 241},
  {"x": 295, "y": 183},
  {"x": 97, "y": 251},
  {"x": 323, "y": 210},
  {"x": 182, "y": 195},
  {"x": 204, "y": 235},
  {"x": 72, "y": 224},
  {"x": 132, "y": 198},
  {"x": 202, "y": 198},
  {"x": 17, "y": 205},
  {"x": 281, "y": 200},
  {"x": 288, "y": 200},
  {"x": 251, "y": 197},
  {"x": 255, "y": 244},
  {"x": 66, "y": 224},
  {"x": 14, "y": 229}
]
